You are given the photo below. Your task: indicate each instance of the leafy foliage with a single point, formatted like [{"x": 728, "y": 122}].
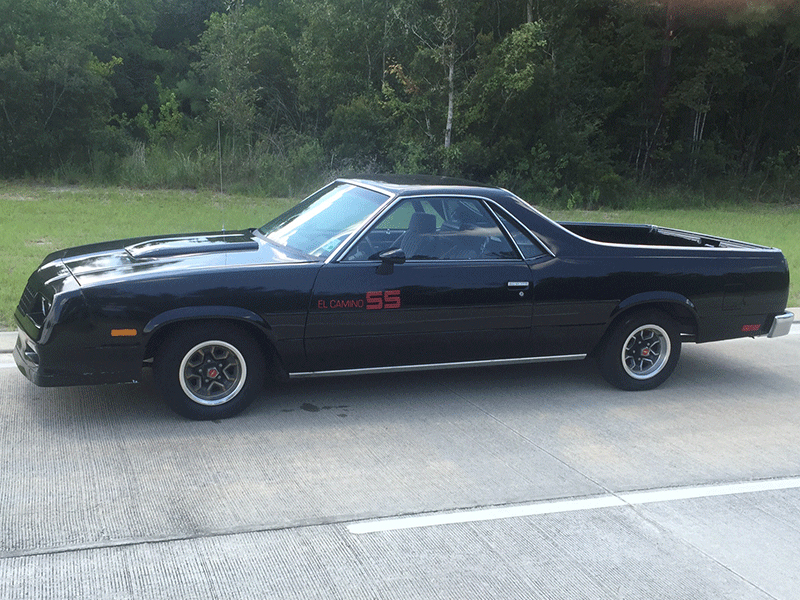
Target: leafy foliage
[
  {"x": 55, "y": 91},
  {"x": 577, "y": 102}
]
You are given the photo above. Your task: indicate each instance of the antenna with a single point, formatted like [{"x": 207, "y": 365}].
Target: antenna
[
  {"x": 219, "y": 156},
  {"x": 219, "y": 153}
]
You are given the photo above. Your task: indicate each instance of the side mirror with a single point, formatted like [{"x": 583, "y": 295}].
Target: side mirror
[{"x": 390, "y": 258}]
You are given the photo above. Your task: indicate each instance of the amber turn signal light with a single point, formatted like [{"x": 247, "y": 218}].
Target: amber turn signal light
[{"x": 123, "y": 332}]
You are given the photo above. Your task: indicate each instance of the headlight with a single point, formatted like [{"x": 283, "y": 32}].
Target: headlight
[
  {"x": 36, "y": 305},
  {"x": 40, "y": 309},
  {"x": 46, "y": 306}
]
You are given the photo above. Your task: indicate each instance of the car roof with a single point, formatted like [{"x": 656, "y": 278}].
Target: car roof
[{"x": 397, "y": 184}]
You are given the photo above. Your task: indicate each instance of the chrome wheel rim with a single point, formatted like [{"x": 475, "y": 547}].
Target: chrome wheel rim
[
  {"x": 212, "y": 373},
  {"x": 646, "y": 352}
]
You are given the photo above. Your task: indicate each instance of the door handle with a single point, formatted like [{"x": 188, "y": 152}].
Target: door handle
[{"x": 519, "y": 285}]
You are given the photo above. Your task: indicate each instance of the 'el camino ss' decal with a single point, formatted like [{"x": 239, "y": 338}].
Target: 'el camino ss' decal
[{"x": 372, "y": 301}]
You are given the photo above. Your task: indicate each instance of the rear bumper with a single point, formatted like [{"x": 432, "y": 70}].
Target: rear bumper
[{"x": 781, "y": 325}]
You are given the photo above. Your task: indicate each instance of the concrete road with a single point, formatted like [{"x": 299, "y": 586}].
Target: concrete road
[{"x": 524, "y": 482}]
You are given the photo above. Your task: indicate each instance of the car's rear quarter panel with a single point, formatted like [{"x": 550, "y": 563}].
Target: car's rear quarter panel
[{"x": 727, "y": 292}]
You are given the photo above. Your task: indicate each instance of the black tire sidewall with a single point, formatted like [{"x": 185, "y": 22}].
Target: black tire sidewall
[
  {"x": 610, "y": 361},
  {"x": 167, "y": 363}
]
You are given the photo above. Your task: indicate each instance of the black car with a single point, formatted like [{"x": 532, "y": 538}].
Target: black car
[{"x": 389, "y": 274}]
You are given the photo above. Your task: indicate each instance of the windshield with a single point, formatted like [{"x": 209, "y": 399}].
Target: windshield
[{"x": 320, "y": 223}]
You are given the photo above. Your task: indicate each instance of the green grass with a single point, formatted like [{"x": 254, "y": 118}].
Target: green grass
[{"x": 35, "y": 221}]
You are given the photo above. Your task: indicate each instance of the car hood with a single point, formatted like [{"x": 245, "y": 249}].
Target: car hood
[{"x": 166, "y": 255}]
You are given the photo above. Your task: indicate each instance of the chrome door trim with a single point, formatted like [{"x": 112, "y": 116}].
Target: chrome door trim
[{"x": 440, "y": 366}]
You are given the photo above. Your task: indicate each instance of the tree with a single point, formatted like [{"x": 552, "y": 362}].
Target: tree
[
  {"x": 445, "y": 32},
  {"x": 341, "y": 54},
  {"x": 246, "y": 65},
  {"x": 55, "y": 98}
]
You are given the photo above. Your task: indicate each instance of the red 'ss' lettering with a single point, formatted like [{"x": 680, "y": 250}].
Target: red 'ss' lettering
[
  {"x": 374, "y": 300},
  {"x": 381, "y": 300},
  {"x": 391, "y": 299}
]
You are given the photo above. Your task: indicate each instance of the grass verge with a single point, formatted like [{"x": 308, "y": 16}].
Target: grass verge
[{"x": 35, "y": 221}]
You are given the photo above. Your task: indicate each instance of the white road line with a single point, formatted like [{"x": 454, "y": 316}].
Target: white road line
[
  {"x": 486, "y": 514},
  {"x": 708, "y": 491},
  {"x": 559, "y": 506}
]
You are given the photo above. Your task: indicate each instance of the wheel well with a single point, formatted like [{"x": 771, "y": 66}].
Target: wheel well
[
  {"x": 683, "y": 316},
  {"x": 261, "y": 338}
]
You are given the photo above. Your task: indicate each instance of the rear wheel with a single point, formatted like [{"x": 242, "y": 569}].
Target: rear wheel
[
  {"x": 209, "y": 371},
  {"x": 640, "y": 351}
]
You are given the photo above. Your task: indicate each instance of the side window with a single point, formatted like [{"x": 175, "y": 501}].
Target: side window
[
  {"x": 436, "y": 229},
  {"x": 527, "y": 245}
]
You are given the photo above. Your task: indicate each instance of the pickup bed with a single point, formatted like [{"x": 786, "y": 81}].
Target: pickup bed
[{"x": 650, "y": 235}]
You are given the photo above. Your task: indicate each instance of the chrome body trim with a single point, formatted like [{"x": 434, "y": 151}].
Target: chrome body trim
[
  {"x": 353, "y": 238},
  {"x": 490, "y": 205},
  {"x": 440, "y": 366},
  {"x": 496, "y": 208},
  {"x": 781, "y": 325},
  {"x": 345, "y": 247}
]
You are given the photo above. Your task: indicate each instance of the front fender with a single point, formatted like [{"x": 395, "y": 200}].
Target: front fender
[{"x": 193, "y": 313}]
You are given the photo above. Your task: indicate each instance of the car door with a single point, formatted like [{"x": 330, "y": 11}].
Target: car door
[{"x": 462, "y": 294}]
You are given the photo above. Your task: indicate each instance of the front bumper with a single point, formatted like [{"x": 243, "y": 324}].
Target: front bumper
[
  {"x": 27, "y": 360},
  {"x": 26, "y": 355},
  {"x": 81, "y": 366},
  {"x": 781, "y": 325}
]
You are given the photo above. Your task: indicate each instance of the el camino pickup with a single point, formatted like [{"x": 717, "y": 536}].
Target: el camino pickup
[{"x": 389, "y": 274}]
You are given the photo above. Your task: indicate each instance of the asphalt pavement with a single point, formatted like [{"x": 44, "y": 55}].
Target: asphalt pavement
[{"x": 516, "y": 482}]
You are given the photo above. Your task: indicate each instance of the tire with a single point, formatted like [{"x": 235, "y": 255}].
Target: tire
[
  {"x": 640, "y": 351},
  {"x": 209, "y": 371}
]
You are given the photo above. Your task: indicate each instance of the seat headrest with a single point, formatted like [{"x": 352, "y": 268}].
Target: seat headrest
[{"x": 422, "y": 223}]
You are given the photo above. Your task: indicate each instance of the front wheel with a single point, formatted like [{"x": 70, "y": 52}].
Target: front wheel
[
  {"x": 640, "y": 351},
  {"x": 209, "y": 372}
]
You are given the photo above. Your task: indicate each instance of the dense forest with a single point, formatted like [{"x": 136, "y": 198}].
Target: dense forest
[{"x": 573, "y": 101}]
